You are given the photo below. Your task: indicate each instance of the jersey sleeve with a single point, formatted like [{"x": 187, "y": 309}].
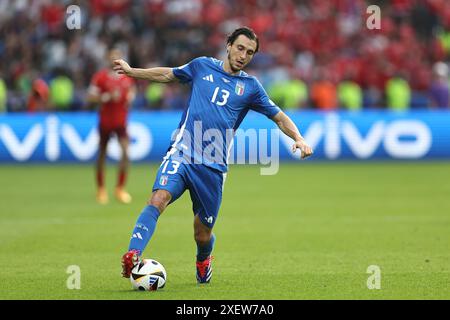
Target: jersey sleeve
[
  {"x": 96, "y": 84},
  {"x": 97, "y": 79},
  {"x": 186, "y": 73},
  {"x": 261, "y": 102}
]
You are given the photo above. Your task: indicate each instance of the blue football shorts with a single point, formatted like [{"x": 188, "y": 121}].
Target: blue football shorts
[{"x": 204, "y": 183}]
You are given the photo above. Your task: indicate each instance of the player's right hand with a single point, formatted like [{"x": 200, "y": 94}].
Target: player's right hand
[
  {"x": 304, "y": 148},
  {"x": 121, "y": 67}
]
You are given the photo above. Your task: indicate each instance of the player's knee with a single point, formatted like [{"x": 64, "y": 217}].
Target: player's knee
[
  {"x": 102, "y": 149},
  {"x": 202, "y": 237},
  {"x": 160, "y": 199},
  {"x": 124, "y": 157},
  {"x": 124, "y": 149}
]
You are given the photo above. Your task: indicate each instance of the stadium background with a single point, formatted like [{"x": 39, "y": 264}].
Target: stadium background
[{"x": 361, "y": 94}]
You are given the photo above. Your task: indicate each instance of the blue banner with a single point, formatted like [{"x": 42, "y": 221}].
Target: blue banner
[{"x": 367, "y": 135}]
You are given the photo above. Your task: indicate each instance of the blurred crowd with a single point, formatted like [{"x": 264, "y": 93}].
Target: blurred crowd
[{"x": 315, "y": 54}]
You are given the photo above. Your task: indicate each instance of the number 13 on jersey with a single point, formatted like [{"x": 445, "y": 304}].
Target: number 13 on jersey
[
  {"x": 175, "y": 166},
  {"x": 223, "y": 98}
]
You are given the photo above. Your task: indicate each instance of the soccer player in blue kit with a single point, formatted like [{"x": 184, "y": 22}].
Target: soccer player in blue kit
[{"x": 221, "y": 96}]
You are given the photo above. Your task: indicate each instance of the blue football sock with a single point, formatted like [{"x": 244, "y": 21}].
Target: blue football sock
[
  {"x": 205, "y": 251},
  {"x": 145, "y": 226}
]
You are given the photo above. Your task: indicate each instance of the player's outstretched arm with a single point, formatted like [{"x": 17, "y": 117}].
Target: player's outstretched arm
[
  {"x": 290, "y": 129},
  {"x": 158, "y": 74}
]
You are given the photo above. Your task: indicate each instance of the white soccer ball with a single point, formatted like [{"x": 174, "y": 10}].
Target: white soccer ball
[{"x": 148, "y": 275}]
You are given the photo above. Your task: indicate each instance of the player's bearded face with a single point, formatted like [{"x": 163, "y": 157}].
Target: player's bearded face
[{"x": 241, "y": 52}]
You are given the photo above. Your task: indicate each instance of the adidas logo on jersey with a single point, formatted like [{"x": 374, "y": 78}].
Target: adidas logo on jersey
[{"x": 209, "y": 78}]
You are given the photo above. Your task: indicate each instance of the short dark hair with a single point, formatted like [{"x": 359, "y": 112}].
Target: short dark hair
[{"x": 246, "y": 31}]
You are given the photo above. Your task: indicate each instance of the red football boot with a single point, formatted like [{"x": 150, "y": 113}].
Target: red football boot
[
  {"x": 204, "y": 270},
  {"x": 129, "y": 260}
]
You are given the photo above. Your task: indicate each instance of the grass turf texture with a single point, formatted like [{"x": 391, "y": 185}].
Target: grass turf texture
[{"x": 309, "y": 232}]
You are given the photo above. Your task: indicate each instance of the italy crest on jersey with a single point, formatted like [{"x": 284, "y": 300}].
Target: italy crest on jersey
[
  {"x": 163, "y": 180},
  {"x": 240, "y": 86}
]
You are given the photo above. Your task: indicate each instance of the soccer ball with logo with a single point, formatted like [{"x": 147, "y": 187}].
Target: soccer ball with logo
[{"x": 148, "y": 275}]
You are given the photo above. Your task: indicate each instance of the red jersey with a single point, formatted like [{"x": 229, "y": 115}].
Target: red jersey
[{"x": 113, "y": 114}]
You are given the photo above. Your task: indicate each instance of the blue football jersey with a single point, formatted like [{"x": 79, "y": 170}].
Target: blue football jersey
[{"x": 218, "y": 103}]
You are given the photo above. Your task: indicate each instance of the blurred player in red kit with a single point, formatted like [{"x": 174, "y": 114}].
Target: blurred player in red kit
[
  {"x": 114, "y": 94},
  {"x": 39, "y": 96}
]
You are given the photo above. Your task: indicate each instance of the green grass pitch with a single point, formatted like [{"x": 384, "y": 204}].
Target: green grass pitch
[{"x": 309, "y": 232}]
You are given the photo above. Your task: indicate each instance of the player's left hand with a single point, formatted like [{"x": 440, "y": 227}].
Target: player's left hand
[{"x": 304, "y": 148}]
